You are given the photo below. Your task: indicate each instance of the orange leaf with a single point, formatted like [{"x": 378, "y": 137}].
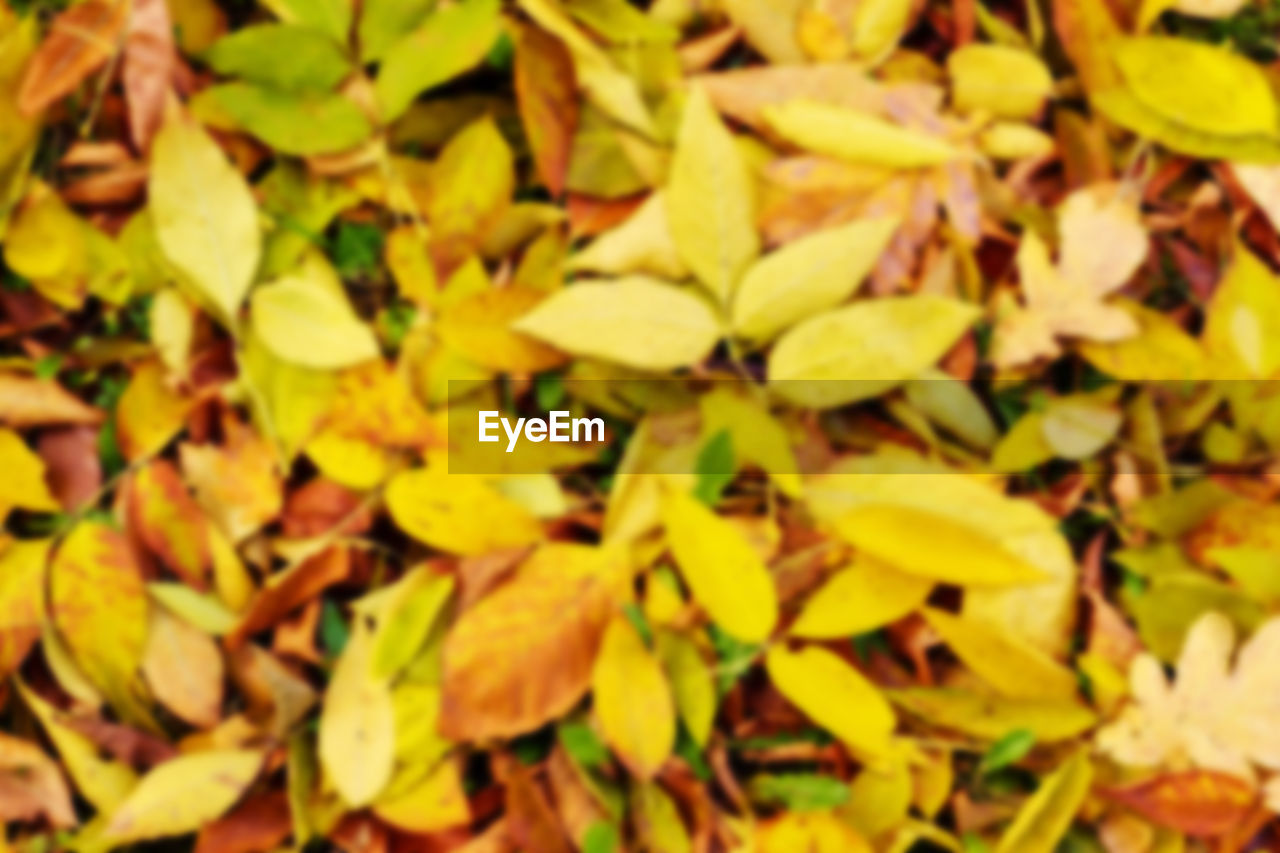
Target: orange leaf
[
  {"x": 548, "y": 100},
  {"x": 21, "y": 600},
  {"x": 524, "y": 654},
  {"x": 80, "y": 41},
  {"x": 238, "y": 484},
  {"x": 168, "y": 521},
  {"x": 31, "y": 785},
  {"x": 26, "y": 401},
  {"x": 1196, "y": 802}
]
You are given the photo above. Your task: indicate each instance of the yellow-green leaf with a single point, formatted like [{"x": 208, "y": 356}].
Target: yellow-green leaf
[
  {"x": 691, "y": 683},
  {"x": 857, "y": 137},
  {"x": 205, "y": 217},
  {"x": 993, "y": 717},
  {"x": 305, "y": 319},
  {"x": 183, "y": 794},
  {"x": 315, "y": 61},
  {"x": 864, "y": 349},
  {"x": 809, "y": 275},
  {"x": 710, "y": 199},
  {"x": 451, "y": 40},
  {"x": 1198, "y": 86},
  {"x": 294, "y": 123},
  {"x": 635, "y": 321},
  {"x": 724, "y": 572}
]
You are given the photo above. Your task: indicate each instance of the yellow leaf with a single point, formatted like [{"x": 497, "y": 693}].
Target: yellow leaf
[
  {"x": 1004, "y": 81},
  {"x": 993, "y": 717},
  {"x": 458, "y": 513},
  {"x": 205, "y": 217},
  {"x": 877, "y": 27},
  {"x": 865, "y": 596},
  {"x": 99, "y": 607},
  {"x": 635, "y": 321},
  {"x": 725, "y": 574},
  {"x": 632, "y": 700},
  {"x": 183, "y": 794},
  {"x": 1012, "y": 541},
  {"x": 1159, "y": 350},
  {"x": 436, "y": 803},
  {"x": 1009, "y": 140},
  {"x": 1202, "y": 87},
  {"x": 471, "y": 188},
  {"x": 149, "y": 413},
  {"x": 357, "y": 739},
  {"x": 835, "y": 696},
  {"x": 757, "y": 436},
  {"x": 710, "y": 199},
  {"x": 691, "y": 683},
  {"x": 202, "y": 610},
  {"x": 855, "y": 136},
  {"x": 865, "y": 349},
  {"x": 1047, "y": 815},
  {"x": 1077, "y": 428},
  {"x": 305, "y": 319},
  {"x": 103, "y": 781},
  {"x": 1242, "y": 324},
  {"x": 1009, "y": 665},
  {"x": 879, "y": 799},
  {"x": 812, "y": 832},
  {"x": 809, "y": 275},
  {"x": 641, "y": 244},
  {"x": 479, "y": 327},
  {"x": 23, "y": 484}
]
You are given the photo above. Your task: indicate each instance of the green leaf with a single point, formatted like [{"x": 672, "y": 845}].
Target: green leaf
[
  {"x": 581, "y": 742},
  {"x": 450, "y": 42},
  {"x": 714, "y": 467},
  {"x": 601, "y": 837},
  {"x": 1010, "y": 749},
  {"x": 284, "y": 56},
  {"x": 798, "y": 791},
  {"x": 292, "y": 123}
]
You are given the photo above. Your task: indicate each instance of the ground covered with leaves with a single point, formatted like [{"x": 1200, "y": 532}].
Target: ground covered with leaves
[{"x": 931, "y": 345}]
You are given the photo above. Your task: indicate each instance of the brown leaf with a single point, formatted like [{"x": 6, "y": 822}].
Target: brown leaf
[
  {"x": 319, "y": 505},
  {"x": 531, "y": 821},
  {"x": 149, "y": 58},
  {"x": 31, "y": 786},
  {"x": 26, "y": 402},
  {"x": 548, "y": 100},
  {"x": 1202, "y": 803},
  {"x": 258, "y": 825},
  {"x": 81, "y": 39},
  {"x": 73, "y": 470}
]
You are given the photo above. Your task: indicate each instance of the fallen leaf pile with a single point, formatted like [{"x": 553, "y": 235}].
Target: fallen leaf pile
[{"x": 926, "y": 352}]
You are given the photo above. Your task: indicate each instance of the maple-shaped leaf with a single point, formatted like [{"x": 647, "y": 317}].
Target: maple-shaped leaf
[
  {"x": 1212, "y": 717},
  {"x": 1103, "y": 243}
]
